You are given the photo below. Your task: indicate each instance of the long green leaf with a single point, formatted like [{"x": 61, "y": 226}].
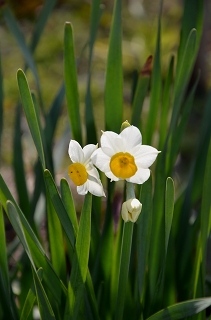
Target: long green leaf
[
  {"x": 37, "y": 253},
  {"x": 140, "y": 92},
  {"x": 89, "y": 116},
  {"x": 144, "y": 233},
  {"x": 182, "y": 310},
  {"x": 59, "y": 208},
  {"x": 169, "y": 209},
  {"x": 56, "y": 244},
  {"x": 67, "y": 199},
  {"x": 47, "y": 8},
  {"x": 71, "y": 86},
  {"x": 124, "y": 258},
  {"x": 201, "y": 254},
  {"x": 30, "y": 299},
  {"x": 165, "y": 104},
  {"x": 192, "y": 19},
  {"x": 19, "y": 37},
  {"x": 31, "y": 115},
  {"x": 80, "y": 261},
  {"x": 45, "y": 308},
  {"x": 5, "y": 291},
  {"x": 182, "y": 76},
  {"x": 1, "y": 104},
  {"x": 156, "y": 87},
  {"x": 114, "y": 74},
  {"x": 18, "y": 164}
]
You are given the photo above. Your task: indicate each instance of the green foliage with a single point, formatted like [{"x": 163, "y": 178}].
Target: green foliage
[{"x": 91, "y": 265}]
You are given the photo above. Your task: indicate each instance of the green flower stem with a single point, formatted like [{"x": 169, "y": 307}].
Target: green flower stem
[{"x": 125, "y": 258}]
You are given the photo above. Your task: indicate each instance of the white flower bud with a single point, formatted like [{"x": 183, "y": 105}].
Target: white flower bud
[{"x": 131, "y": 210}]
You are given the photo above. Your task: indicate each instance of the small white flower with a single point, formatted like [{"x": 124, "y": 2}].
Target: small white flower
[
  {"x": 131, "y": 210},
  {"x": 82, "y": 172},
  {"x": 122, "y": 156}
]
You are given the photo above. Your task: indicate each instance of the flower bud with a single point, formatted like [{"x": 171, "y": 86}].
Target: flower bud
[
  {"x": 124, "y": 125},
  {"x": 131, "y": 210}
]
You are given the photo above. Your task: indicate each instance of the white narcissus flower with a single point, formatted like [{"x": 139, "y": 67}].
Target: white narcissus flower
[
  {"x": 131, "y": 210},
  {"x": 82, "y": 172},
  {"x": 123, "y": 157}
]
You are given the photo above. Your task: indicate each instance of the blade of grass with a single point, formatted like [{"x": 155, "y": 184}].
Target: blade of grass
[
  {"x": 89, "y": 116},
  {"x": 182, "y": 77},
  {"x": 141, "y": 91},
  {"x": 201, "y": 254},
  {"x": 31, "y": 114},
  {"x": 37, "y": 253},
  {"x": 18, "y": 165},
  {"x": 59, "y": 208},
  {"x": 67, "y": 199},
  {"x": 1, "y": 105},
  {"x": 19, "y": 37},
  {"x": 155, "y": 94},
  {"x": 124, "y": 259},
  {"x": 47, "y": 8},
  {"x": 71, "y": 86},
  {"x": 114, "y": 74},
  {"x": 30, "y": 299},
  {"x": 80, "y": 261},
  {"x": 192, "y": 19},
  {"x": 182, "y": 310},
  {"x": 56, "y": 244},
  {"x": 178, "y": 133},
  {"x": 46, "y": 311},
  {"x": 144, "y": 225},
  {"x": 169, "y": 210},
  {"x": 70, "y": 208},
  {"x": 5, "y": 290},
  {"x": 157, "y": 302},
  {"x": 166, "y": 104}
]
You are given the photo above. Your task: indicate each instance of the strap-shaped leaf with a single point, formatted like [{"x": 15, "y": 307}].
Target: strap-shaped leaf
[
  {"x": 46, "y": 311},
  {"x": 80, "y": 261},
  {"x": 30, "y": 299},
  {"x": 169, "y": 209},
  {"x": 19, "y": 37},
  {"x": 182, "y": 310},
  {"x": 31, "y": 114},
  {"x": 71, "y": 85},
  {"x": 114, "y": 74},
  {"x": 6, "y": 302},
  {"x": 25, "y": 232},
  {"x": 59, "y": 208}
]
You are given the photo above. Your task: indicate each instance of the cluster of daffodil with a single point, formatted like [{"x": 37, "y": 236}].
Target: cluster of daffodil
[{"x": 121, "y": 157}]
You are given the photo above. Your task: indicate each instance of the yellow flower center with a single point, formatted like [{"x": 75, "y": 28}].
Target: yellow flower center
[
  {"x": 77, "y": 173},
  {"x": 123, "y": 165}
]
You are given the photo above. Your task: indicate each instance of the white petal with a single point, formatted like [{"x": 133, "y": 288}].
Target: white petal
[
  {"x": 132, "y": 136},
  {"x": 95, "y": 187},
  {"x": 140, "y": 176},
  {"x": 75, "y": 152},
  {"x": 101, "y": 160},
  {"x": 144, "y": 156},
  {"x": 111, "y": 176},
  {"x": 88, "y": 150},
  {"x": 83, "y": 189},
  {"x": 108, "y": 151},
  {"x": 112, "y": 140},
  {"x": 92, "y": 171}
]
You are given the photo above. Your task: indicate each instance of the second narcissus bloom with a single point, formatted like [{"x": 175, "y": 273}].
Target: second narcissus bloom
[
  {"x": 131, "y": 210},
  {"x": 82, "y": 172},
  {"x": 123, "y": 157}
]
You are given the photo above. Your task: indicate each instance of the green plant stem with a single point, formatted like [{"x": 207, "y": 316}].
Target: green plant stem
[{"x": 125, "y": 258}]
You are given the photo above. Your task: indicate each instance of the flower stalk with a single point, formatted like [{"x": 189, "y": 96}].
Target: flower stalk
[{"x": 124, "y": 258}]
